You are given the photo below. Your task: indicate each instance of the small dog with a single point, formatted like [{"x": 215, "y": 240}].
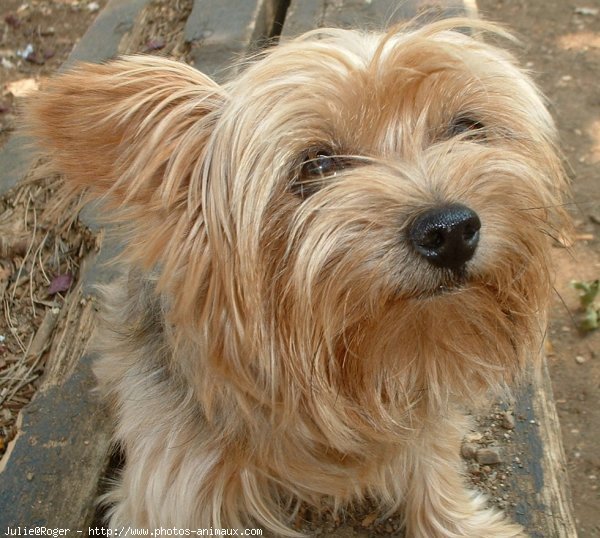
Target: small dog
[{"x": 328, "y": 257}]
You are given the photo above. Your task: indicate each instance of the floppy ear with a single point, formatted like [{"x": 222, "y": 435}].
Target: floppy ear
[{"x": 131, "y": 132}]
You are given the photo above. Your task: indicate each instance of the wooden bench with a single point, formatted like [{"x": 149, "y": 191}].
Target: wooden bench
[{"x": 50, "y": 474}]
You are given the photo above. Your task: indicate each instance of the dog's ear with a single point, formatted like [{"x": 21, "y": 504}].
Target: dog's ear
[{"x": 131, "y": 132}]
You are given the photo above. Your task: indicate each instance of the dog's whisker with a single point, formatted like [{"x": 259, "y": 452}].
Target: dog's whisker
[{"x": 565, "y": 307}]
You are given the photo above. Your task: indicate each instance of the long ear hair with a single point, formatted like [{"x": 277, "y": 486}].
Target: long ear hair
[{"x": 132, "y": 134}]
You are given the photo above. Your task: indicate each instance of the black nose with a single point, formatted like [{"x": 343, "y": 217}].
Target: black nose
[{"x": 446, "y": 236}]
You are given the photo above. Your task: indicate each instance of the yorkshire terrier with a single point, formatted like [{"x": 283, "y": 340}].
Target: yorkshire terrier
[{"x": 328, "y": 257}]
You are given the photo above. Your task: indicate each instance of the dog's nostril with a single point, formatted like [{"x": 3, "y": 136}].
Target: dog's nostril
[
  {"x": 446, "y": 236},
  {"x": 432, "y": 239}
]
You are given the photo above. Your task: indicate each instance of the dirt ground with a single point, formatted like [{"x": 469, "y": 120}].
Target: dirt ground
[{"x": 560, "y": 44}]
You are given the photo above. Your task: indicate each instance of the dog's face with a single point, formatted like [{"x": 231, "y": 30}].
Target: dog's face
[
  {"x": 356, "y": 222},
  {"x": 387, "y": 203}
]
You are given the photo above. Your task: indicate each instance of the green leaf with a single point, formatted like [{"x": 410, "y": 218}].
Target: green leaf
[
  {"x": 589, "y": 291},
  {"x": 591, "y": 321}
]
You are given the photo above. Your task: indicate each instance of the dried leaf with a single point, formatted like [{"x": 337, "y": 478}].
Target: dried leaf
[
  {"x": 60, "y": 283},
  {"x": 155, "y": 44},
  {"x": 23, "y": 87},
  {"x": 35, "y": 58},
  {"x": 369, "y": 519},
  {"x": 12, "y": 20}
]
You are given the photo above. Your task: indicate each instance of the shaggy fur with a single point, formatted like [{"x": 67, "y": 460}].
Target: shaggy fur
[{"x": 278, "y": 339}]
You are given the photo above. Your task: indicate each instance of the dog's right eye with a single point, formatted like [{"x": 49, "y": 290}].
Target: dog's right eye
[{"x": 467, "y": 127}]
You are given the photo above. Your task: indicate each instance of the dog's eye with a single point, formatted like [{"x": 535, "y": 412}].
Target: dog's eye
[
  {"x": 316, "y": 166},
  {"x": 467, "y": 128},
  {"x": 320, "y": 164}
]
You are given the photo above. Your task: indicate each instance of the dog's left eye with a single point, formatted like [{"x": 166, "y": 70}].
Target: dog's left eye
[
  {"x": 316, "y": 166},
  {"x": 320, "y": 164},
  {"x": 468, "y": 128}
]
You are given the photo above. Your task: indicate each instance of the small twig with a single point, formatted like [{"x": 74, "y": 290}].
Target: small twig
[
  {"x": 12, "y": 328},
  {"x": 34, "y": 352},
  {"x": 21, "y": 266},
  {"x": 38, "y": 256},
  {"x": 49, "y": 304}
]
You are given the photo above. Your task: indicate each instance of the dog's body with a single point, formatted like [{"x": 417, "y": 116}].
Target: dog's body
[{"x": 329, "y": 256}]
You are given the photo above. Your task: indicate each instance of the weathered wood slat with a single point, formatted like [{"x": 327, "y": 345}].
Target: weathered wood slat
[
  {"x": 51, "y": 472},
  {"x": 220, "y": 33},
  {"x": 304, "y": 15},
  {"x": 540, "y": 484},
  {"x": 555, "y": 493}
]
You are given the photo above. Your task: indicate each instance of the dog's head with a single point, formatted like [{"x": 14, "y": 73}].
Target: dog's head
[{"x": 357, "y": 220}]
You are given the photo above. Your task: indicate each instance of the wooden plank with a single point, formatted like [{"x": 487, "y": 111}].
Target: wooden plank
[
  {"x": 102, "y": 39},
  {"x": 555, "y": 493},
  {"x": 15, "y": 161},
  {"x": 302, "y": 16},
  {"x": 305, "y": 15},
  {"x": 50, "y": 473},
  {"x": 222, "y": 32},
  {"x": 540, "y": 483}
]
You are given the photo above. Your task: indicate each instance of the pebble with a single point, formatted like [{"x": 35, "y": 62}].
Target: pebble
[
  {"x": 474, "y": 468},
  {"x": 473, "y": 437},
  {"x": 369, "y": 519},
  {"x": 587, "y": 11},
  {"x": 27, "y": 51},
  {"x": 468, "y": 451},
  {"x": 508, "y": 420},
  {"x": 7, "y": 64},
  {"x": 579, "y": 359},
  {"x": 489, "y": 456}
]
